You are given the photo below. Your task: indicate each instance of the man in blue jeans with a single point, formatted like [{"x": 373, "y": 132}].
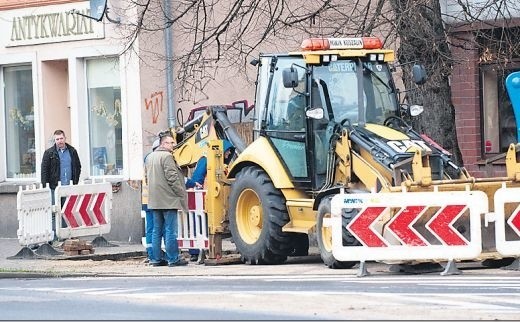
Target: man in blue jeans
[{"x": 166, "y": 195}]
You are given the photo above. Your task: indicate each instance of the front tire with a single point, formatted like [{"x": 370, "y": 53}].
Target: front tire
[
  {"x": 256, "y": 217},
  {"x": 324, "y": 235}
]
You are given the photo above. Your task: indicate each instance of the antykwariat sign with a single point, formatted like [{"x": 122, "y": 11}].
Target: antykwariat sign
[{"x": 54, "y": 27}]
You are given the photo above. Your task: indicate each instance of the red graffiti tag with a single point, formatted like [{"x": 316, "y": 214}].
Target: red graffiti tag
[{"x": 155, "y": 104}]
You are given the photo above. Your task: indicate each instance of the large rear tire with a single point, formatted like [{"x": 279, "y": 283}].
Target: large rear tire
[
  {"x": 256, "y": 217},
  {"x": 324, "y": 235}
]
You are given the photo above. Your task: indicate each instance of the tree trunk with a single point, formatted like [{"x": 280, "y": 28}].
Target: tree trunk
[{"x": 423, "y": 40}]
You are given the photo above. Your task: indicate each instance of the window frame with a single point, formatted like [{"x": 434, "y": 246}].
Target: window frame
[
  {"x": 4, "y": 119},
  {"x": 498, "y": 71},
  {"x": 122, "y": 120}
]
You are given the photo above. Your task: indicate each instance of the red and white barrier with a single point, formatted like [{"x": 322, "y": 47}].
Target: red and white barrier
[
  {"x": 193, "y": 226},
  {"x": 507, "y": 231},
  {"x": 405, "y": 235},
  {"x": 86, "y": 209}
]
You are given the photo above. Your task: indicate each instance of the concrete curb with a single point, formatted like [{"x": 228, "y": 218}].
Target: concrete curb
[
  {"x": 100, "y": 257},
  {"x": 31, "y": 274}
]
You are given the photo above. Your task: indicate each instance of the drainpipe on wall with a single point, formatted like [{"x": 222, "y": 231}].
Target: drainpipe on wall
[{"x": 168, "y": 40}]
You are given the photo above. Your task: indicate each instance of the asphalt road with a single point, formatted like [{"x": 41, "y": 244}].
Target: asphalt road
[
  {"x": 124, "y": 288},
  {"x": 475, "y": 296}
]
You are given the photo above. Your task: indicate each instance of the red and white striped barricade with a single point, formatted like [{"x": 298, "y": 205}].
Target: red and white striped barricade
[
  {"x": 507, "y": 223},
  {"x": 84, "y": 208},
  {"x": 34, "y": 209},
  {"x": 193, "y": 226},
  {"x": 422, "y": 227}
]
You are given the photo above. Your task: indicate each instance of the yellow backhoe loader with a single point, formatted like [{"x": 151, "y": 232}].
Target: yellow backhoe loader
[{"x": 327, "y": 120}]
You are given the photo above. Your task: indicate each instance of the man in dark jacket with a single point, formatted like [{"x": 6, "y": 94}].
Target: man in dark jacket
[{"x": 60, "y": 163}]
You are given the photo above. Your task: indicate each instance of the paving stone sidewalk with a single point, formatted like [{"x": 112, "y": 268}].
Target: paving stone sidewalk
[{"x": 129, "y": 260}]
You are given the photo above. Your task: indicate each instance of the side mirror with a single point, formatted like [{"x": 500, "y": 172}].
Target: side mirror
[
  {"x": 290, "y": 77},
  {"x": 419, "y": 74},
  {"x": 315, "y": 113}
]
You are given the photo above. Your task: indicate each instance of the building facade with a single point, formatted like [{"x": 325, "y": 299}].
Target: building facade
[
  {"x": 62, "y": 70},
  {"x": 484, "y": 116}
]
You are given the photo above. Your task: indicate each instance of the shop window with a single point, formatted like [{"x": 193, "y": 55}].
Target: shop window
[
  {"x": 105, "y": 130},
  {"x": 19, "y": 119},
  {"x": 498, "y": 119}
]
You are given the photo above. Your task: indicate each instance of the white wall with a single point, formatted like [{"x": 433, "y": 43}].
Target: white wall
[{"x": 479, "y": 10}]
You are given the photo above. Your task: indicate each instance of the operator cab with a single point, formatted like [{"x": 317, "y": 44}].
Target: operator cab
[{"x": 308, "y": 94}]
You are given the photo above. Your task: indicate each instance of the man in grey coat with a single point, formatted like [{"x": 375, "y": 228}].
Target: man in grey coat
[{"x": 166, "y": 195}]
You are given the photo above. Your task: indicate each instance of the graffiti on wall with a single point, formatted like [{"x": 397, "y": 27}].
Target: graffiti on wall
[{"x": 155, "y": 104}]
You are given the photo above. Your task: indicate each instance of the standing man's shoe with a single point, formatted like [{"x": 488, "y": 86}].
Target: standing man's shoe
[
  {"x": 161, "y": 263},
  {"x": 180, "y": 262}
]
